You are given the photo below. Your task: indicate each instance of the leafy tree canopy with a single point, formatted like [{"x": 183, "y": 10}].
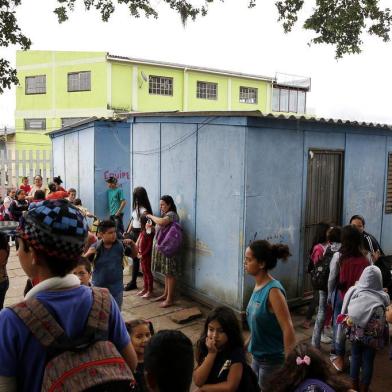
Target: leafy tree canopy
[{"x": 340, "y": 23}]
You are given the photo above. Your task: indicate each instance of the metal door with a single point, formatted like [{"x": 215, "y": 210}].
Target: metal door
[{"x": 324, "y": 190}]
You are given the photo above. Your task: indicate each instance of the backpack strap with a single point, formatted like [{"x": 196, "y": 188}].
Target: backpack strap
[
  {"x": 98, "y": 319},
  {"x": 39, "y": 321}
]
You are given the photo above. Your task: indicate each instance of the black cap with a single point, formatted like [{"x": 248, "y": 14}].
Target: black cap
[{"x": 112, "y": 180}]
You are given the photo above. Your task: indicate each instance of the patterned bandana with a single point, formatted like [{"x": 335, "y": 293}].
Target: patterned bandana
[{"x": 55, "y": 227}]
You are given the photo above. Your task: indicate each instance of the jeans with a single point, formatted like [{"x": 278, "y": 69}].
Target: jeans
[
  {"x": 3, "y": 289},
  {"x": 118, "y": 297},
  {"x": 339, "y": 346},
  {"x": 362, "y": 358},
  {"x": 263, "y": 370},
  {"x": 118, "y": 220},
  {"x": 320, "y": 319},
  {"x": 312, "y": 305}
]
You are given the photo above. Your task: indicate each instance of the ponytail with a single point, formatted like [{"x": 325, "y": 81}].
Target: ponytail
[{"x": 268, "y": 253}]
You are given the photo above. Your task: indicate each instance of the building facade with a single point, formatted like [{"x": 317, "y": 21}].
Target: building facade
[
  {"x": 236, "y": 177},
  {"x": 57, "y": 89}
]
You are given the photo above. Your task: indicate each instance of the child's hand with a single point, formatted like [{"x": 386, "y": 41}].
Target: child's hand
[
  {"x": 211, "y": 346},
  {"x": 139, "y": 255}
]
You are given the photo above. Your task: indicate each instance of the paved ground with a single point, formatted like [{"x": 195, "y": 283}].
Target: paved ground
[{"x": 136, "y": 307}]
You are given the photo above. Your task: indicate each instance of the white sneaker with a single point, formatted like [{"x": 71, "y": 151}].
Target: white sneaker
[{"x": 325, "y": 339}]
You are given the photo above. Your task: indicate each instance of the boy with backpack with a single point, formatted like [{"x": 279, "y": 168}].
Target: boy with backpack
[
  {"x": 63, "y": 335},
  {"x": 108, "y": 260}
]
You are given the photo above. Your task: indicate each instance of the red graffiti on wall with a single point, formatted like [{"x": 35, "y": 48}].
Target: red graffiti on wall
[{"x": 118, "y": 174}]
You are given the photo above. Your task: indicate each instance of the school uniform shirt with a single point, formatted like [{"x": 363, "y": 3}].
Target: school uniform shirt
[
  {"x": 223, "y": 362},
  {"x": 35, "y": 188},
  {"x": 115, "y": 197},
  {"x": 23, "y": 357}
]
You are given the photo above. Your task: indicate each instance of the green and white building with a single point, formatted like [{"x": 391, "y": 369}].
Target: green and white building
[{"x": 60, "y": 88}]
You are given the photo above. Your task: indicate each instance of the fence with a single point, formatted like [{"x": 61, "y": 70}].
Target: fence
[{"x": 23, "y": 163}]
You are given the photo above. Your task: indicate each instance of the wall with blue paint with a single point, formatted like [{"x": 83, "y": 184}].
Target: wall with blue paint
[
  {"x": 233, "y": 179},
  {"x": 112, "y": 158},
  {"x": 274, "y": 197}
]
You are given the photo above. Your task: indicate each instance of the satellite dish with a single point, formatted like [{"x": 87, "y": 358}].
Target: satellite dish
[{"x": 144, "y": 77}]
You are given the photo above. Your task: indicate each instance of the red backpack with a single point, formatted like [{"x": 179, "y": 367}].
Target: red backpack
[{"x": 89, "y": 363}]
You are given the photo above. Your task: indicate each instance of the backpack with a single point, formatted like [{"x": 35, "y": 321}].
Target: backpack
[
  {"x": 320, "y": 272},
  {"x": 169, "y": 239},
  {"x": 376, "y": 332},
  {"x": 88, "y": 363}
]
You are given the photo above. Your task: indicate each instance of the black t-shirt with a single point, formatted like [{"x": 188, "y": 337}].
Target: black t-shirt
[
  {"x": 222, "y": 363},
  {"x": 139, "y": 377}
]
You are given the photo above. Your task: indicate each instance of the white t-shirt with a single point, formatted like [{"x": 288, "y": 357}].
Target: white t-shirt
[{"x": 135, "y": 219}]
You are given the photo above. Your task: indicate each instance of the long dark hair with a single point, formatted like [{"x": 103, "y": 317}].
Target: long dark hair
[
  {"x": 320, "y": 236},
  {"x": 140, "y": 199},
  {"x": 291, "y": 375},
  {"x": 169, "y": 201},
  {"x": 267, "y": 253},
  {"x": 231, "y": 327},
  {"x": 352, "y": 245}
]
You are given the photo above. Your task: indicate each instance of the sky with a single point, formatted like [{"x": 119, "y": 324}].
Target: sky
[{"x": 230, "y": 37}]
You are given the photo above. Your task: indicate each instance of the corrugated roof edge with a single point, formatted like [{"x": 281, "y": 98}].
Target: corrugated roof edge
[
  {"x": 257, "y": 113},
  {"x": 83, "y": 122},
  {"x": 189, "y": 67},
  {"x": 253, "y": 113}
]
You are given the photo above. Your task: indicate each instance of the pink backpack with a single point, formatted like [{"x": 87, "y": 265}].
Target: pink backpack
[{"x": 89, "y": 363}]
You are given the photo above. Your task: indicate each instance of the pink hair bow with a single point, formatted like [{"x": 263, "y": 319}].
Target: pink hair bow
[{"x": 303, "y": 361}]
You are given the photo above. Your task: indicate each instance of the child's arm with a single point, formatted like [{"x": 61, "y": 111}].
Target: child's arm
[
  {"x": 90, "y": 252},
  {"x": 129, "y": 354},
  {"x": 231, "y": 384},
  {"x": 202, "y": 371}
]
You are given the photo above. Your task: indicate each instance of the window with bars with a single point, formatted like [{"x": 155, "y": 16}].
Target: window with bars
[
  {"x": 388, "y": 196},
  {"x": 248, "y": 95},
  {"x": 160, "y": 85},
  {"x": 35, "y": 84},
  {"x": 35, "y": 124},
  {"x": 207, "y": 90},
  {"x": 79, "y": 81},
  {"x": 288, "y": 100}
]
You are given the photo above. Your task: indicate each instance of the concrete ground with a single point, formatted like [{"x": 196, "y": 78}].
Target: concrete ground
[{"x": 136, "y": 307}]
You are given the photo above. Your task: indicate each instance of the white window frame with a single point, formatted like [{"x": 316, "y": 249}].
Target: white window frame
[
  {"x": 207, "y": 90},
  {"x": 249, "y": 95},
  {"x": 160, "y": 85},
  {"x": 35, "y": 84},
  {"x": 32, "y": 124},
  {"x": 79, "y": 81},
  {"x": 279, "y": 100}
]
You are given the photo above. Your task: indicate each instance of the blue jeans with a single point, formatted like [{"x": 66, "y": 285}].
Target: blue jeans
[
  {"x": 320, "y": 319},
  {"x": 3, "y": 289},
  {"x": 362, "y": 358},
  {"x": 264, "y": 369},
  {"x": 118, "y": 297},
  {"x": 339, "y": 346}
]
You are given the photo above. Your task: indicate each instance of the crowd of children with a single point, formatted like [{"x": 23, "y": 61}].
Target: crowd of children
[{"x": 70, "y": 326}]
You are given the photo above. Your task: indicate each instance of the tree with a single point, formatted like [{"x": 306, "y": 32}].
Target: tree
[{"x": 340, "y": 23}]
